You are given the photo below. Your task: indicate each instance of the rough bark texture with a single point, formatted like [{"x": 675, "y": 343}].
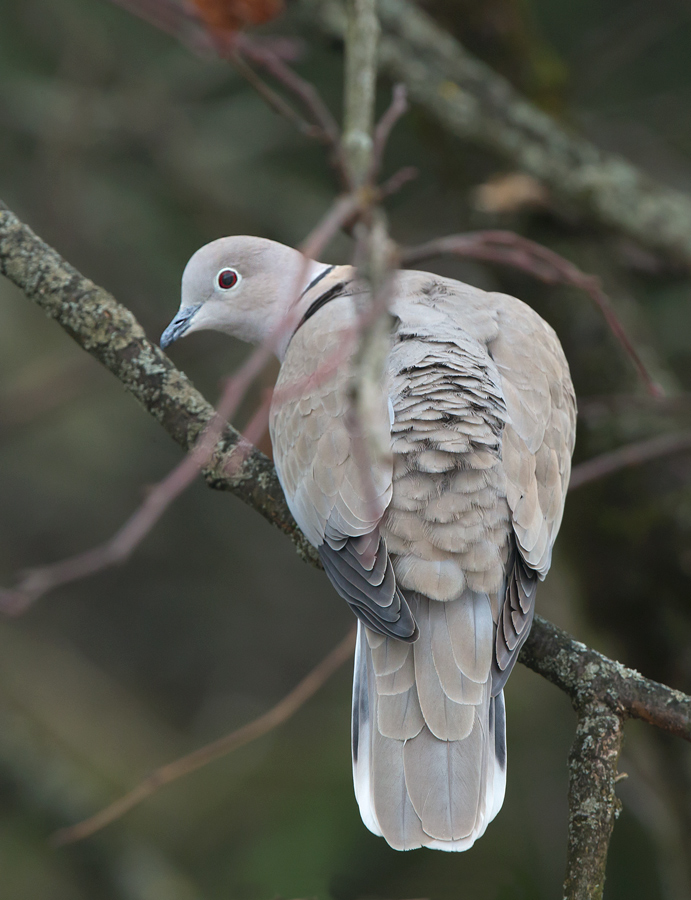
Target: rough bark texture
[
  {"x": 474, "y": 103},
  {"x": 593, "y": 804},
  {"x": 603, "y": 692},
  {"x": 589, "y": 677},
  {"x": 110, "y": 333}
]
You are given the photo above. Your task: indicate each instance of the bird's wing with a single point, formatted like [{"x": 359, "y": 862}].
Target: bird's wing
[
  {"x": 428, "y": 721},
  {"x": 335, "y": 490},
  {"x": 537, "y": 443}
]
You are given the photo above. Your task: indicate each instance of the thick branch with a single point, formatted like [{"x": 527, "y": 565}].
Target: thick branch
[
  {"x": 604, "y": 692},
  {"x": 474, "y": 103},
  {"x": 589, "y": 678},
  {"x": 110, "y": 333}
]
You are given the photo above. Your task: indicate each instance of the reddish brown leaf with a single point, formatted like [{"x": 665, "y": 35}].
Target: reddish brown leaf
[{"x": 231, "y": 15}]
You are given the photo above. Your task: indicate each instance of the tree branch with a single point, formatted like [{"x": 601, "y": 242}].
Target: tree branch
[
  {"x": 604, "y": 692},
  {"x": 629, "y": 455},
  {"x": 277, "y": 715},
  {"x": 590, "y": 678},
  {"x": 510, "y": 249},
  {"x": 476, "y": 104},
  {"x": 593, "y": 804},
  {"x": 110, "y": 333}
]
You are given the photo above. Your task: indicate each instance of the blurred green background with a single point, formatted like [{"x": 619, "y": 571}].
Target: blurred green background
[{"x": 127, "y": 153}]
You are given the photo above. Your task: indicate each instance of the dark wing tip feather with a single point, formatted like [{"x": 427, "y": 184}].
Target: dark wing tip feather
[
  {"x": 372, "y": 593},
  {"x": 515, "y": 621}
]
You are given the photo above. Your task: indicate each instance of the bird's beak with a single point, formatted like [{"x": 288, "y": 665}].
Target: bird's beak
[{"x": 178, "y": 326}]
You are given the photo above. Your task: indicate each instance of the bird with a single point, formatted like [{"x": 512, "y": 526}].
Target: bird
[{"x": 437, "y": 543}]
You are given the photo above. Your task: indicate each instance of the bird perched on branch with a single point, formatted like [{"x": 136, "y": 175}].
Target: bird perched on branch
[{"x": 437, "y": 545}]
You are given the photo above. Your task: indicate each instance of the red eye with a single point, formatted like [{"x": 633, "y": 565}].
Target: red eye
[{"x": 227, "y": 278}]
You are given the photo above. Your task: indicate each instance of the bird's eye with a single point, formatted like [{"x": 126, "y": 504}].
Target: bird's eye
[{"x": 227, "y": 279}]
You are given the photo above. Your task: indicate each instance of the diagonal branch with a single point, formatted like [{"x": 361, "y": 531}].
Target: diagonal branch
[
  {"x": 111, "y": 334},
  {"x": 471, "y": 101},
  {"x": 595, "y": 684},
  {"x": 629, "y": 455},
  {"x": 280, "y": 713},
  {"x": 510, "y": 249}
]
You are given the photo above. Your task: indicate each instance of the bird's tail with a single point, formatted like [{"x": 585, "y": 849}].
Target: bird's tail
[{"x": 429, "y": 740}]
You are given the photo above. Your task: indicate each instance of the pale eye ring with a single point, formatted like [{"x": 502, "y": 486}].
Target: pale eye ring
[{"x": 227, "y": 279}]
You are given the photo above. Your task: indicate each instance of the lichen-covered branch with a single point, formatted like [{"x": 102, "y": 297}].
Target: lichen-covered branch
[
  {"x": 476, "y": 104},
  {"x": 110, "y": 333},
  {"x": 603, "y": 691},
  {"x": 593, "y": 804},
  {"x": 589, "y": 677}
]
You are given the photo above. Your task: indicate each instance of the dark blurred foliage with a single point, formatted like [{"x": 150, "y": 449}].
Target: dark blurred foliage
[{"x": 127, "y": 153}]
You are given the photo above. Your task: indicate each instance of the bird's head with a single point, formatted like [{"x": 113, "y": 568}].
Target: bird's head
[{"x": 242, "y": 286}]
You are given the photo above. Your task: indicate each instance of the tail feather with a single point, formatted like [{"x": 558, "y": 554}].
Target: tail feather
[{"x": 414, "y": 787}]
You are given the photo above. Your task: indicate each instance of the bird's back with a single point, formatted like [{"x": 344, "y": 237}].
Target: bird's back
[{"x": 455, "y": 529}]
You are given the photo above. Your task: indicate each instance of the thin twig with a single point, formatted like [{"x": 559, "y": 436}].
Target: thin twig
[
  {"x": 627, "y": 456},
  {"x": 323, "y": 125},
  {"x": 382, "y": 132},
  {"x": 120, "y": 546},
  {"x": 274, "y": 100},
  {"x": 395, "y": 183},
  {"x": 276, "y": 716},
  {"x": 359, "y": 88},
  {"x": 180, "y": 20},
  {"x": 507, "y": 248}
]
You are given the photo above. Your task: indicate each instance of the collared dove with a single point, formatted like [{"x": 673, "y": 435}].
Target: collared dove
[{"x": 437, "y": 546}]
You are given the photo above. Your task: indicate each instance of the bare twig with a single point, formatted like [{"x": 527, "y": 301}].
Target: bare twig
[
  {"x": 471, "y": 101},
  {"x": 362, "y": 36},
  {"x": 274, "y": 100},
  {"x": 382, "y": 133},
  {"x": 120, "y": 546},
  {"x": 321, "y": 124},
  {"x": 178, "y": 19},
  {"x": 605, "y": 690},
  {"x": 276, "y": 716},
  {"x": 627, "y": 456},
  {"x": 508, "y": 248},
  {"x": 395, "y": 183}
]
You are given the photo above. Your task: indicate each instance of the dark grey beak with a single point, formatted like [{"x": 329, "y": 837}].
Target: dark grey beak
[{"x": 178, "y": 326}]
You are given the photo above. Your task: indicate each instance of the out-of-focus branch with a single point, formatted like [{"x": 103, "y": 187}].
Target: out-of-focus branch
[
  {"x": 629, "y": 455},
  {"x": 473, "y": 102},
  {"x": 118, "y": 548},
  {"x": 603, "y": 691},
  {"x": 508, "y": 248},
  {"x": 280, "y": 713},
  {"x": 362, "y": 37}
]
